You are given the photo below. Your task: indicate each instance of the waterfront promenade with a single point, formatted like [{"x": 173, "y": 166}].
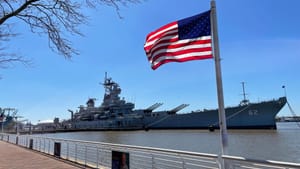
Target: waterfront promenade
[
  {"x": 103, "y": 155},
  {"x": 15, "y": 157}
]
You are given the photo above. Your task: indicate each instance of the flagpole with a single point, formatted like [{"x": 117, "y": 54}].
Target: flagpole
[{"x": 222, "y": 118}]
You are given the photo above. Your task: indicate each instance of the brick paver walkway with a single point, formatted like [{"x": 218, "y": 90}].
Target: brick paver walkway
[{"x": 15, "y": 157}]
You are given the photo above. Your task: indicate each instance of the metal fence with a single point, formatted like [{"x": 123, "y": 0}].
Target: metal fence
[{"x": 99, "y": 155}]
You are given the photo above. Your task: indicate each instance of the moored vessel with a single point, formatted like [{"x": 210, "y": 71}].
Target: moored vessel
[
  {"x": 117, "y": 114},
  {"x": 7, "y": 118}
]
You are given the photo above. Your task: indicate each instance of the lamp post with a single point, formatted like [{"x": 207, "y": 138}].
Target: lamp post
[
  {"x": 17, "y": 124},
  {"x": 284, "y": 90},
  {"x": 2, "y": 121},
  {"x": 30, "y": 130}
]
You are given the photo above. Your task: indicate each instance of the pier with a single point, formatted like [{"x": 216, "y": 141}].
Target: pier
[
  {"x": 30, "y": 151},
  {"x": 13, "y": 156}
]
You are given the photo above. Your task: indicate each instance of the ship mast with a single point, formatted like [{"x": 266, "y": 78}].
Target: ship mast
[
  {"x": 112, "y": 91},
  {"x": 108, "y": 85},
  {"x": 244, "y": 101}
]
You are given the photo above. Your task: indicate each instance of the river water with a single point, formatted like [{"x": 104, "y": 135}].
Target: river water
[{"x": 282, "y": 144}]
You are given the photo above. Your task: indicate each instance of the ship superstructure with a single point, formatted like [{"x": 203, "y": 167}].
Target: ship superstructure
[
  {"x": 113, "y": 113},
  {"x": 6, "y": 118}
]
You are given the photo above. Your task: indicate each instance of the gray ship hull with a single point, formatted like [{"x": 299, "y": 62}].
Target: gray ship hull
[{"x": 251, "y": 116}]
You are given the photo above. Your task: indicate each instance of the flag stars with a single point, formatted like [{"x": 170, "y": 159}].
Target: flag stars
[{"x": 195, "y": 26}]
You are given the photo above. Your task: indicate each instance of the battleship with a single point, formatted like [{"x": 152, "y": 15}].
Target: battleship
[
  {"x": 117, "y": 114},
  {"x": 6, "y": 119}
]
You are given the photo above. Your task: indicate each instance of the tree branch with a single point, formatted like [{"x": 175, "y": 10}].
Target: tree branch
[
  {"x": 54, "y": 18},
  {"x": 16, "y": 12}
]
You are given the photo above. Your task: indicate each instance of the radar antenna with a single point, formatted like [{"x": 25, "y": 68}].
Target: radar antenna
[{"x": 245, "y": 101}]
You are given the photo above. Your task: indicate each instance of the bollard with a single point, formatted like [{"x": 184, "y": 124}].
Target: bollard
[
  {"x": 30, "y": 143},
  {"x": 57, "y": 147}
]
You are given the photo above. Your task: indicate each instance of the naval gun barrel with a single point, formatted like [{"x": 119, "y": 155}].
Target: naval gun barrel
[
  {"x": 154, "y": 106},
  {"x": 178, "y": 108}
]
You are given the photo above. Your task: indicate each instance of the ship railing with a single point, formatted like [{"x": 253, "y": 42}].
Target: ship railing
[{"x": 99, "y": 155}]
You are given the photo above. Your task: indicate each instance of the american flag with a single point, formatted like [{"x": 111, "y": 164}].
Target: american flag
[{"x": 184, "y": 40}]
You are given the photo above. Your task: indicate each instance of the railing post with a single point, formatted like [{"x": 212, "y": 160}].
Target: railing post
[
  {"x": 57, "y": 149},
  {"x": 49, "y": 146},
  {"x": 67, "y": 150},
  {"x": 44, "y": 145},
  {"x": 85, "y": 154},
  {"x": 223, "y": 162},
  {"x": 17, "y": 140},
  {"x": 75, "y": 152},
  {"x": 31, "y": 143},
  {"x": 97, "y": 157},
  {"x": 183, "y": 162},
  {"x": 40, "y": 144},
  {"x": 152, "y": 158}
]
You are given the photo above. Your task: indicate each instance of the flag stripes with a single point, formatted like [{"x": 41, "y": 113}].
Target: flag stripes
[{"x": 165, "y": 45}]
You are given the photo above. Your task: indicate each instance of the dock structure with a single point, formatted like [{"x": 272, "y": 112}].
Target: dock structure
[
  {"x": 13, "y": 156},
  {"x": 32, "y": 151}
]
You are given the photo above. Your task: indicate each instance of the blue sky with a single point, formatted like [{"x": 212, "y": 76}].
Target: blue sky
[{"x": 259, "y": 45}]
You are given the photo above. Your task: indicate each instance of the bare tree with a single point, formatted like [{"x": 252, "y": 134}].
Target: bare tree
[
  {"x": 8, "y": 59},
  {"x": 54, "y": 18}
]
